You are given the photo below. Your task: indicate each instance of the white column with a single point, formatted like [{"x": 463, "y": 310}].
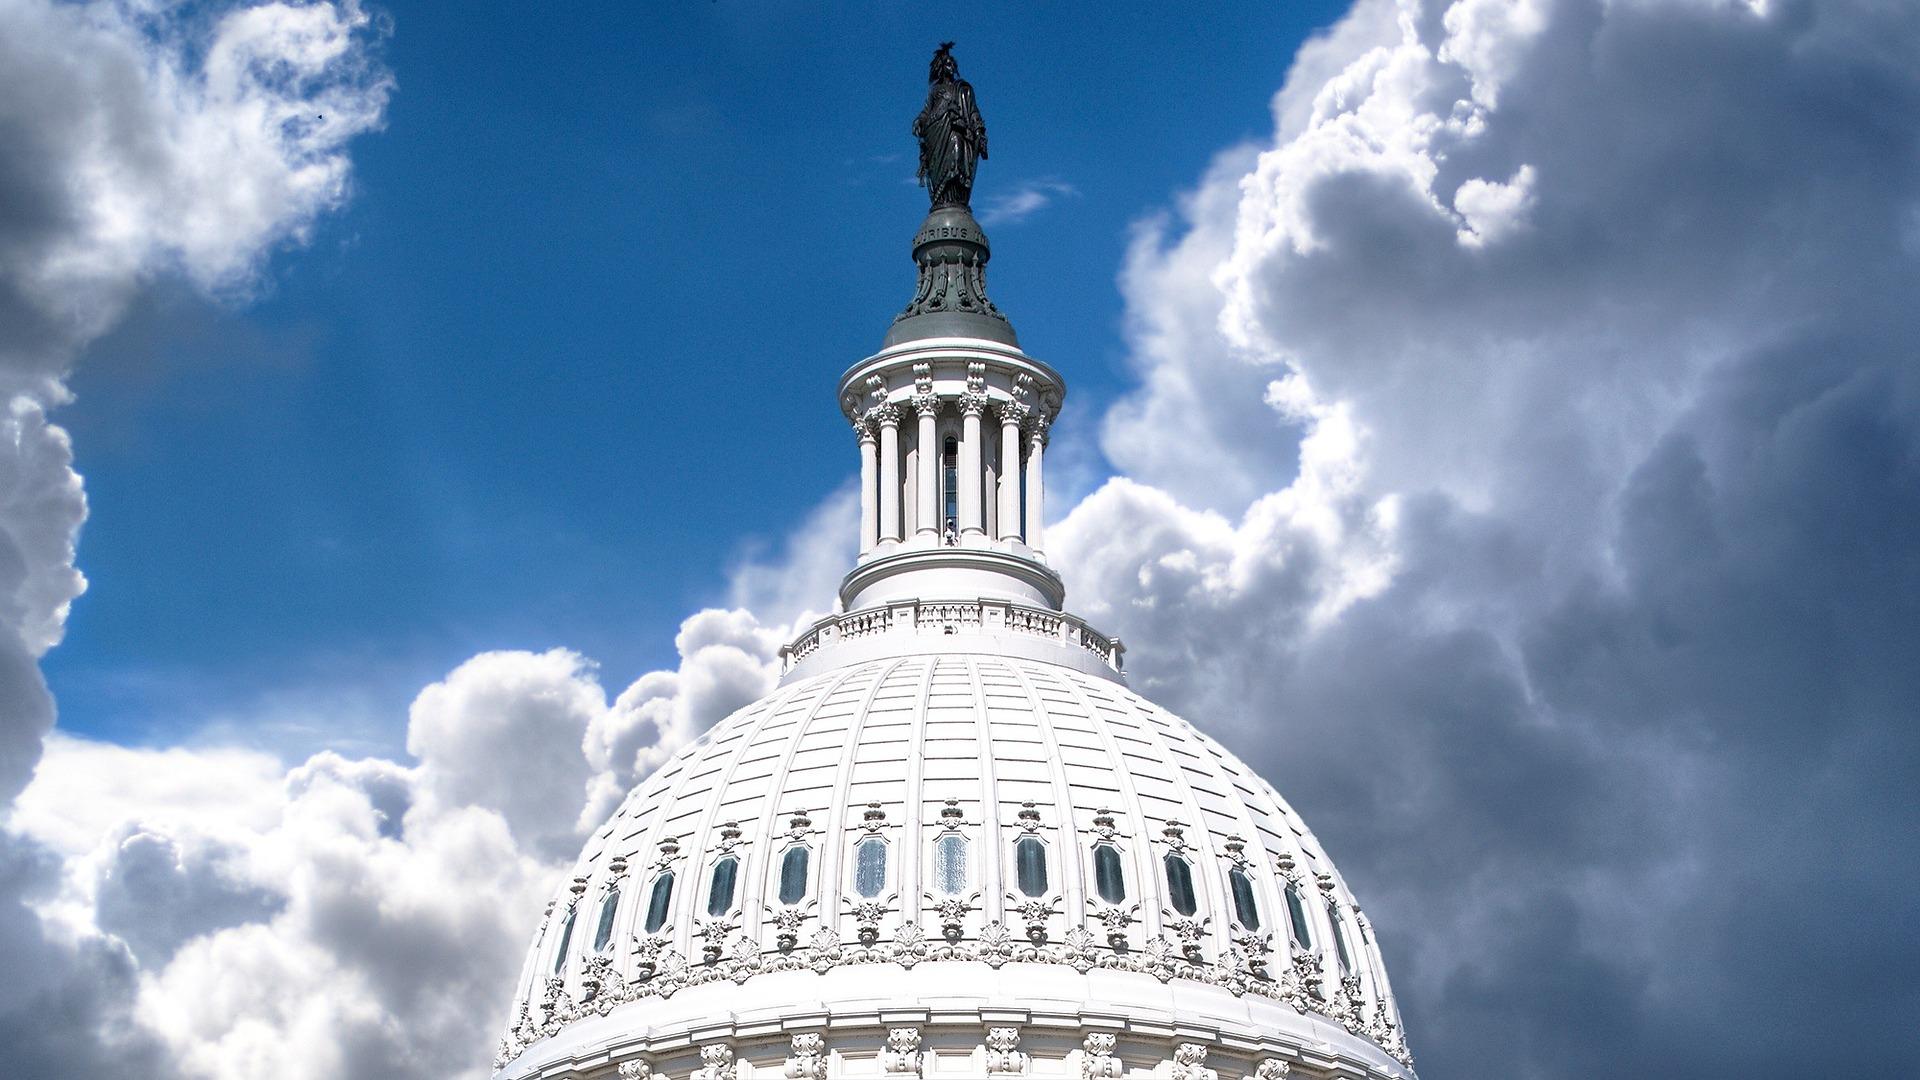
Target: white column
[
  {"x": 1010, "y": 471},
  {"x": 869, "y": 487},
  {"x": 972, "y": 476},
  {"x": 927, "y": 520},
  {"x": 889, "y": 418},
  {"x": 1036, "y": 499}
]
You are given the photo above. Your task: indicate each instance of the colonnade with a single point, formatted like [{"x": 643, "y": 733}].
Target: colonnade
[{"x": 1020, "y": 495}]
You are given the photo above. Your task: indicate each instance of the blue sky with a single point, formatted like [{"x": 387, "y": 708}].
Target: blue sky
[{"x": 567, "y": 355}]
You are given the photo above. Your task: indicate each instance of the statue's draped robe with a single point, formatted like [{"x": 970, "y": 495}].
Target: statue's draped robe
[{"x": 953, "y": 138}]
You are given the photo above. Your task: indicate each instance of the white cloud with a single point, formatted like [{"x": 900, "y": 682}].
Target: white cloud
[
  {"x": 136, "y": 141},
  {"x": 1023, "y": 200}
]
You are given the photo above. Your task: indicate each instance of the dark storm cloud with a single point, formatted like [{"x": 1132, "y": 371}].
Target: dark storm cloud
[{"x": 1619, "y": 303}]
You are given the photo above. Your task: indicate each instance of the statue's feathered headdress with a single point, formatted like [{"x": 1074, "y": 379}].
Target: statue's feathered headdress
[{"x": 943, "y": 63}]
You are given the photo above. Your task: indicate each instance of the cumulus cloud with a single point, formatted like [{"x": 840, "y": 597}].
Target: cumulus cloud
[
  {"x": 1584, "y": 639},
  {"x": 356, "y": 917},
  {"x": 136, "y": 141}
]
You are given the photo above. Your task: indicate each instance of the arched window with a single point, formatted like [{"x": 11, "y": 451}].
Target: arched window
[
  {"x": 950, "y": 481},
  {"x": 604, "y": 932},
  {"x": 720, "y": 891},
  {"x": 1108, "y": 881},
  {"x": 1246, "y": 911},
  {"x": 1180, "y": 885},
  {"x": 1030, "y": 865},
  {"x": 1297, "y": 912},
  {"x": 793, "y": 874},
  {"x": 658, "y": 902},
  {"x": 566, "y": 938},
  {"x": 870, "y": 866},
  {"x": 1340, "y": 940},
  {"x": 950, "y": 864}
]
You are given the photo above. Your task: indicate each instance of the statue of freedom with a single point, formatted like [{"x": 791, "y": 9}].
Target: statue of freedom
[{"x": 953, "y": 137}]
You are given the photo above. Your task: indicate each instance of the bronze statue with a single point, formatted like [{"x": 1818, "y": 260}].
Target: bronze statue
[{"x": 953, "y": 137}]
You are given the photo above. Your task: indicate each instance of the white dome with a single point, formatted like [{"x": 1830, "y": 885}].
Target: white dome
[
  {"x": 952, "y": 842},
  {"x": 888, "y": 923}
]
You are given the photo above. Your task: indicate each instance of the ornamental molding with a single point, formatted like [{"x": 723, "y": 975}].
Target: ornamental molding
[
  {"x": 716, "y": 1063},
  {"x": 952, "y": 913},
  {"x": 873, "y": 820},
  {"x": 1037, "y": 425},
  {"x": 902, "y": 1055},
  {"x": 1173, "y": 837},
  {"x": 664, "y": 972},
  {"x": 1096, "y": 1056},
  {"x": 731, "y": 838},
  {"x": 1028, "y": 818},
  {"x": 808, "y": 1060},
  {"x": 799, "y": 826},
  {"x": 1190, "y": 1063},
  {"x": 616, "y": 873},
  {"x": 1003, "y": 1052}
]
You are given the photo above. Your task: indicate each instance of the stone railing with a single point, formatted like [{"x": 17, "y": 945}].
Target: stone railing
[{"x": 949, "y": 617}]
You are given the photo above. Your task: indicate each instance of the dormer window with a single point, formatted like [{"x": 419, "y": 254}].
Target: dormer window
[
  {"x": 950, "y": 864},
  {"x": 603, "y": 933},
  {"x": 1108, "y": 880},
  {"x": 720, "y": 891},
  {"x": 658, "y": 902},
  {"x": 1297, "y": 914},
  {"x": 870, "y": 866},
  {"x": 1180, "y": 885},
  {"x": 566, "y": 938},
  {"x": 1246, "y": 910},
  {"x": 1030, "y": 866},
  {"x": 793, "y": 874},
  {"x": 1340, "y": 940}
]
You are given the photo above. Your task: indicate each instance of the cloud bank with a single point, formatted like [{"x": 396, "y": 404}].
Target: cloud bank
[
  {"x": 1524, "y": 473},
  {"x": 1583, "y": 631}
]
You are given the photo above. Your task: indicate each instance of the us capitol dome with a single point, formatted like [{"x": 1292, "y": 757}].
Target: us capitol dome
[{"x": 952, "y": 842}]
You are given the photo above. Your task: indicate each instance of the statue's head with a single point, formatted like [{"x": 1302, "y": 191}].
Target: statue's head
[{"x": 943, "y": 68}]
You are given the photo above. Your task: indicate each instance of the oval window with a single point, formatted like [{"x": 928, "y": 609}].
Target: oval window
[
  {"x": 793, "y": 874},
  {"x": 870, "y": 866},
  {"x": 1030, "y": 865},
  {"x": 604, "y": 933},
  {"x": 1297, "y": 912},
  {"x": 1108, "y": 881},
  {"x": 1180, "y": 885},
  {"x": 1245, "y": 911},
  {"x": 720, "y": 892},
  {"x": 566, "y": 938},
  {"x": 658, "y": 902},
  {"x": 950, "y": 864}
]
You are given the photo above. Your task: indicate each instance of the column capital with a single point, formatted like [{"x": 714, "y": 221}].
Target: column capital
[
  {"x": 863, "y": 428},
  {"x": 1012, "y": 412},
  {"x": 886, "y": 415},
  {"x": 1037, "y": 424},
  {"x": 926, "y": 402},
  {"x": 973, "y": 402}
]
